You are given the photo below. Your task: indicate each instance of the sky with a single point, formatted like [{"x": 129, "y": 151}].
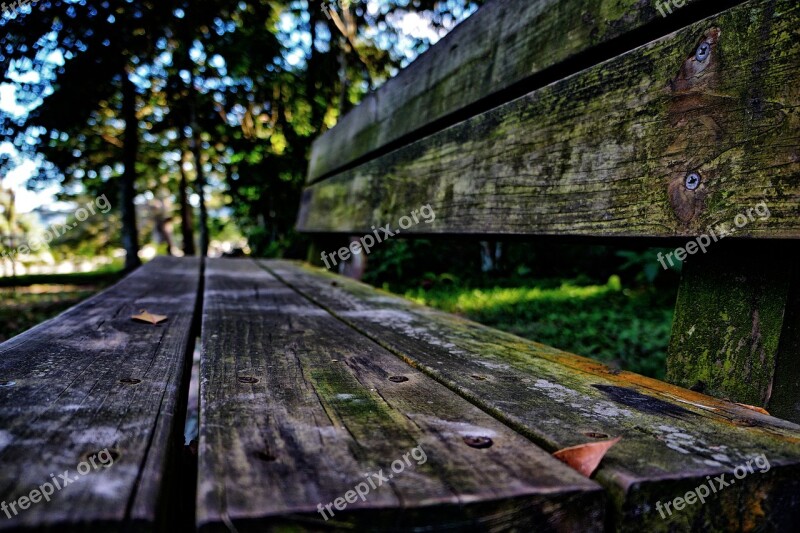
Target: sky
[{"x": 26, "y": 201}]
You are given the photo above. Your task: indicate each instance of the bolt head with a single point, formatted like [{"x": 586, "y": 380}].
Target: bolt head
[
  {"x": 692, "y": 181},
  {"x": 478, "y": 442},
  {"x": 703, "y": 51}
]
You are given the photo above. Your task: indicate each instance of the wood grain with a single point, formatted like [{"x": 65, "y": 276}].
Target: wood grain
[
  {"x": 672, "y": 438},
  {"x": 504, "y": 43},
  {"x": 93, "y": 379},
  {"x": 606, "y": 152},
  {"x": 296, "y": 407},
  {"x": 734, "y": 334}
]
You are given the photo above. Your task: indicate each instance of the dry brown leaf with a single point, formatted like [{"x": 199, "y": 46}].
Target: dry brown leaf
[
  {"x": 585, "y": 457},
  {"x": 150, "y": 318},
  {"x": 754, "y": 408}
]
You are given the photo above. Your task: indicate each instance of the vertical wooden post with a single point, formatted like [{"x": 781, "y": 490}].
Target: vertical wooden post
[
  {"x": 354, "y": 267},
  {"x": 735, "y": 333},
  {"x": 324, "y": 243},
  {"x": 785, "y": 399}
]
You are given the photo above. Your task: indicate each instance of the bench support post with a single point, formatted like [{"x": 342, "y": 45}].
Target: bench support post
[
  {"x": 354, "y": 267},
  {"x": 320, "y": 244},
  {"x": 736, "y": 333}
]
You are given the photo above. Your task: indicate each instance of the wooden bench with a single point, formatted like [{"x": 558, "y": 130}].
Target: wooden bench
[
  {"x": 94, "y": 384},
  {"x": 327, "y": 404}
]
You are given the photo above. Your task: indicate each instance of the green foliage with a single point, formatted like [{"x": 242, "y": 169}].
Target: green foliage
[
  {"x": 240, "y": 87},
  {"x": 401, "y": 263},
  {"x": 644, "y": 264},
  {"x": 626, "y": 328}
]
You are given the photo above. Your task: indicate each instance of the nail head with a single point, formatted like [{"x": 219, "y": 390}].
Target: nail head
[
  {"x": 693, "y": 180},
  {"x": 478, "y": 442},
  {"x": 703, "y": 51}
]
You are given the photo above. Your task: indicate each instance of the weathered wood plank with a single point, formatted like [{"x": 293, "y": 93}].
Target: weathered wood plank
[
  {"x": 734, "y": 324},
  {"x": 785, "y": 399},
  {"x": 89, "y": 380},
  {"x": 607, "y": 152},
  {"x": 296, "y": 407},
  {"x": 504, "y": 43},
  {"x": 672, "y": 438}
]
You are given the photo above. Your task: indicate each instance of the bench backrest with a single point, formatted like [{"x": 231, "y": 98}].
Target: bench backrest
[{"x": 657, "y": 123}]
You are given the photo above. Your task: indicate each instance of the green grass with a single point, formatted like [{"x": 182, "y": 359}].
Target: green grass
[
  {"x": 24, "y": 307},
  {"x": 626, "y": 328},
  {"x": 26, "y": 301},
  {"x": 103, "y": 276}
]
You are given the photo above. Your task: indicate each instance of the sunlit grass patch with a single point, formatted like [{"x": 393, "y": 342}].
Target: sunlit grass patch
[
  {"x": 623, "y": 327},
  {"x": 22, "y": 308},
  {"x": 485, "y": 300}
]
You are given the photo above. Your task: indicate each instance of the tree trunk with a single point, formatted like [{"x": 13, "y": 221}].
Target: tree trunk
[
  {"x": 127, "y": 191},
  {"x": 11, "y": 216},
  {"x": 317, "y": 113},
  {"x": 187, "y": 229},
  {"x": 491, "y": 256},
  {"x": 201, "y": 182},
  {"x": 162, "y": 220}
]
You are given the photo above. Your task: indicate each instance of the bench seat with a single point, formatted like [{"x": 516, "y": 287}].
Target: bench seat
[
  {"x": 297, "y": 407},
  {"x": 328, "y": 404},
  {"x": 94, "y": 384},
  {"x": 672, "y": 438}
]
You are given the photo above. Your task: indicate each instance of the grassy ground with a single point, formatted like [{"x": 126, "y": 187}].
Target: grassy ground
[
  {"x": 35, "y": 299},
  {"x": 627, "y": 328}
]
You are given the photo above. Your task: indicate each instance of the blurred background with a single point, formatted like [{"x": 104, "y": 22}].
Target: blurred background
[{"x": 133, "y": 128}]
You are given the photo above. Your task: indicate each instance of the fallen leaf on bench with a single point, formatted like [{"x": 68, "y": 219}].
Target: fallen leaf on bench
[
  {"x": 753, "y": 408},
  {"x": 150, "y": 318},
  {"x": 585, "y": 457}
]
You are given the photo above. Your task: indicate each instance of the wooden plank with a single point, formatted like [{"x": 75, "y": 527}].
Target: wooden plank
[
  {"x": 785, "y": 399},
  {"x": 607, "y": 152},
  {"x": 90, "y": 380},
  {"x": 734, "y": 326},
  {"x": 505, "y": 43},
  {"x": 672, "y": 438},
  {"x": 296, "y": 408}
]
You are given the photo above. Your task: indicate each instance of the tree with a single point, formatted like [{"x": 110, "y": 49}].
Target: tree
[
  {"x": 240, "y": 88},
  {"x": 100, "y": 41}
]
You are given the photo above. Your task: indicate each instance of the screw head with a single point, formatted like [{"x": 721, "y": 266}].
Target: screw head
[
  {"x": 703, "y": 51},
  {"x": 478, "y": 442},
  {"x": 692, "y": 181}
]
